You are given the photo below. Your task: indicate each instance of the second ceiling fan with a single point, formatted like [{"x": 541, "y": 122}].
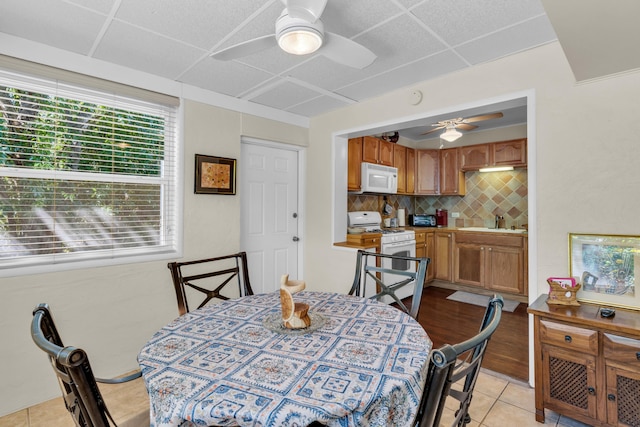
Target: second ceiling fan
[
  {"x": 452, "y": 125},
  {"x": 300, "y": 31}
]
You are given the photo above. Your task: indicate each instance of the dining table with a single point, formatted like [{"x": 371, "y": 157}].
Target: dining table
[{"x": 359, "y": 363}]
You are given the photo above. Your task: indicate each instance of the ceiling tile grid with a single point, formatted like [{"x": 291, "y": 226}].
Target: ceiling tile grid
[{"x": 414, "y": 40}]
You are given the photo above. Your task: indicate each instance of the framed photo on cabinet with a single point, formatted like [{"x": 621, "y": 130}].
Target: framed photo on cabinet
[
  {"x": 215, "y": 175},
  {"x": 606, "y": 266}
]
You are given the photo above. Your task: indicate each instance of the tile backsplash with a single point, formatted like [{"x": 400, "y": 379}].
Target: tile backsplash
[{"x": 487, "y": 195}]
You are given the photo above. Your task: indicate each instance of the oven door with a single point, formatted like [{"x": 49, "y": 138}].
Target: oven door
[{"x": 407, "y": 248}]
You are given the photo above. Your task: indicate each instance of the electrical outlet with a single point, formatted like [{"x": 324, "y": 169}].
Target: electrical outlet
[{"x": 455, "y": 214}]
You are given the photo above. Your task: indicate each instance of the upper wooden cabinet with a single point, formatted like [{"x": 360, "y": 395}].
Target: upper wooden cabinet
[
  {"x": 451, "y": 176},
  {"x": 475, "y": 156},
  {"x": 353, "y": 164},
  {"x": 378, "y": 151},
  {"x": 400, "y": 162},
  {"x": 510, "y": 153},
  {"x": 428, "y": 165},
  {"x": 411, "y": 170},
  {"x": 503, "y": 153}
]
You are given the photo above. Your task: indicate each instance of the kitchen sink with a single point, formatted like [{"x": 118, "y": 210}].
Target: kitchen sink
[{"x": 494, "y": 230}]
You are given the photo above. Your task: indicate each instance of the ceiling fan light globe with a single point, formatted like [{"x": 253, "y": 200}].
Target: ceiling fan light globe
[
  {"x": 450, "y": 135},
  {"x": 300, "y": 41}
]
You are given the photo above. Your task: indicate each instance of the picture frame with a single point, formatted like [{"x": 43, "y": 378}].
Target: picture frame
[
  {"x": 215, "y": 175},
  {"x": 606, "y": 266}
]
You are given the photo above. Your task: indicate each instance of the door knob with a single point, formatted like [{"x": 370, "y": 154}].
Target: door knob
[{"x": 296, "y": 239}]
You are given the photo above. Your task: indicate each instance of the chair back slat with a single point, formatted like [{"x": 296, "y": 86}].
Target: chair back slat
[
  {"x": 184, "y": 274},
  {"x": 369, "y": 269},
  {"x": 449, "y": 364}
]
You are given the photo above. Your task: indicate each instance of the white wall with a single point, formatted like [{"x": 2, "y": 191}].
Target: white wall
[
  {"x": 586, "y": 143},
  {"x": 111, "y": 312}
]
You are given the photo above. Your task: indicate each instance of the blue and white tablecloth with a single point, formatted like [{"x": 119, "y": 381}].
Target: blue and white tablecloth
[{"x": 220, "y": 365}]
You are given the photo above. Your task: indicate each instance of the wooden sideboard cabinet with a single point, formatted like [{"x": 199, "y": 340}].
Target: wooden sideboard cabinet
[{"x": 587, "y": 367}]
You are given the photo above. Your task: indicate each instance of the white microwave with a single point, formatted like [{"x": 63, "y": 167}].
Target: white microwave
[{"x": 379, "y": 179}]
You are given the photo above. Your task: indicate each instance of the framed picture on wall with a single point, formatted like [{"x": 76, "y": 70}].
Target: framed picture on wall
[
  {"x": 606, "y": 266},
  {"x": 215, "y": 175}
]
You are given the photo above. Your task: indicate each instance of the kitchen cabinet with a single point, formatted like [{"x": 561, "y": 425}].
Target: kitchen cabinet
[
  {"x": 451, "y": 177},
  {"x": 503, "y": 153},
  {"x": 425, "y": 249},
  {"x": 489, "y": 261},
  {"x": 428, "y": 167},
  {"x": 586, "y": 367},
  {"x": 411, "y": 170},
  {"x": 376, "y": 150},
  {"x": 473, "y": 157},
  {"x": 443, "y": 242},
  {"x": 400, "y": 162},
  {"x": 510, "y": 153},
  {"x": 354, "y": 153}
]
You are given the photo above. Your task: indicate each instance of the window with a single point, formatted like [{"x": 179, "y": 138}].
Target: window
[{"x": 85, "y": 174}]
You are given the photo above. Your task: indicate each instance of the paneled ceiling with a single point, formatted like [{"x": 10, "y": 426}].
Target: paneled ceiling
[{"x": 414, "y": 40}]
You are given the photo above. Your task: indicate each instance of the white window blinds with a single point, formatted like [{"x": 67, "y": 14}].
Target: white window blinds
[{"x": 84, "y": 174}]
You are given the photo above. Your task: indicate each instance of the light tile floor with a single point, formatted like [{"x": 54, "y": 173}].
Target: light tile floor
[{"x": 497, "y": 402}]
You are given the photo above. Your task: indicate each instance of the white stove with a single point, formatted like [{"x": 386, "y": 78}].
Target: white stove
[
  {"x": 394, "y": 241},
  {"x": 371, "y": 222}
]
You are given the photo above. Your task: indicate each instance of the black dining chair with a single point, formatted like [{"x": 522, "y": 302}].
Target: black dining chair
[
  {"x": 453, "y": 371},
  {"x": 214, "y": 273},
  {"x": 371, "y": 265},
  {"x": 82, "y": 397}
]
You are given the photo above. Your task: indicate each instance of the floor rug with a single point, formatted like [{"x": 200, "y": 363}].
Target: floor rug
[{"x": 482, "y": 300}]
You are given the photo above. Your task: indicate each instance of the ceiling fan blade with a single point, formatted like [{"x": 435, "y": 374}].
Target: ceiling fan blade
[
  {"x": 433, "y": 130},
  {"x": 465, "y": 126},
  {"x": 246, "y": 48},
  {"x": 347, "y": 52},
  {"x": 482, "y": 117},
  {"x": 309, "y": 10}
]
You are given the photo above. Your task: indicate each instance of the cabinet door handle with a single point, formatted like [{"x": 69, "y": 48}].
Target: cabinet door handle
[
  {"x": 611, "y": 397},
  {"x": 638, "y": 355},
  {"x": 567, "y": 338},
  {"x": 591, "y": 390}
]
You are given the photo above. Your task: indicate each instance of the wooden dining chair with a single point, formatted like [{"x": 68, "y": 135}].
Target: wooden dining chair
[
  {"x": 79, "y": 387},
  {"x": 453, "y": 371},
  {"x": 369, "y": 270},
  {"x": 214, "y": 273}
]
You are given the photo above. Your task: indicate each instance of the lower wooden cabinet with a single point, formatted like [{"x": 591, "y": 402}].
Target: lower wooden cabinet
[
  {"x": 425, "y": 246},
  {"x": 493, "y": 262},
  {"x": 443, "y": 242},
  {"x": 587, "y": 367}
]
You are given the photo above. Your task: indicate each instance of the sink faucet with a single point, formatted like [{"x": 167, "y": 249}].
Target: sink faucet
[{"x": 497, "y": 221}]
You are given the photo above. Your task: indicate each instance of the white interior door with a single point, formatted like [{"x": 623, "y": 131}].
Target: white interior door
[{"x": 269, "y": 214}]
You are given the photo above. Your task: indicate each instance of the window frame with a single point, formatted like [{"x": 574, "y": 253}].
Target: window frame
[{"x": 172, "y": 218}]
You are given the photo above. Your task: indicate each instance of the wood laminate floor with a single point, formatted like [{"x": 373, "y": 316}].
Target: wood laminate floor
[{"x": 450, "y": 322}]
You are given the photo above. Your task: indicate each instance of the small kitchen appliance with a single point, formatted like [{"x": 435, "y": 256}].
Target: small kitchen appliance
[
  {"x": 422, "y": 220},
  {"x": 441, "y": 217}
]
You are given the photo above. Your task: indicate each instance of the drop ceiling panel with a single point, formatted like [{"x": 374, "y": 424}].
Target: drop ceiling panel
[
  {"x": 229, "y": 78},
  {"x": 460, "y": 21},
  {"x": 513, "y": 39},
  {"x": 191, "y": 21},
  {"x": 135, "y": 48},
  {"x": 101, "y": 6},
  {"x": 284, "y": 95},
  {"x": 317, "y": 106},
  {"x": 425, "y": 69},
  {"x": 352, "y": 17},
  {"x": 53, "y": 22}
]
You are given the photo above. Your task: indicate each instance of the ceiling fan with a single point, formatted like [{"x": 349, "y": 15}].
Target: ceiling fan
[
  {"x": 300, "y": 31},
  {"x": 451, "y": 125}
]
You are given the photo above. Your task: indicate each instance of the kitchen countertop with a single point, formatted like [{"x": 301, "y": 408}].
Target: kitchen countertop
[{"x": 355, "y": 240}]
